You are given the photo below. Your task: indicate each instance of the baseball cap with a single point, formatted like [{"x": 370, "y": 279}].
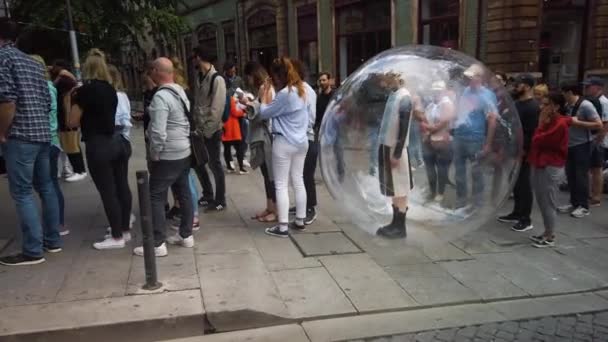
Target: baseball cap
[
  {"x": 474, "y": 70},
  {"x": 438, "y": 86},
  {"x": 593, "y": 80},
  {"x": 525, "y": 79}
]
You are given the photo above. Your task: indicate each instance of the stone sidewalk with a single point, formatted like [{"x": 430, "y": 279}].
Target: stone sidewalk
[{"x": 237, "y": 277}]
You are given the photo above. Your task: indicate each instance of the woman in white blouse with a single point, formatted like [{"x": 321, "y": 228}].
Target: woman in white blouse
[{"x": 289, "y": 114}]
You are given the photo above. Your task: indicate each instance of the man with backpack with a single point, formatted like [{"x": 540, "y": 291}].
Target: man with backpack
[
  {"x": 210, "y": 104},
  {"x": 594, "y": 89},
  {"x": 585, "y": 119}
]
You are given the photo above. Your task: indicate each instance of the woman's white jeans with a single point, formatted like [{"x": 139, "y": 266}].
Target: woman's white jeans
[{"x": 288, "y": 160}]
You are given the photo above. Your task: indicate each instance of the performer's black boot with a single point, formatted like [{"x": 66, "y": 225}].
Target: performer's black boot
[
  {"x": 383, "y": 230},
  {"x": 397, "y": 229}
]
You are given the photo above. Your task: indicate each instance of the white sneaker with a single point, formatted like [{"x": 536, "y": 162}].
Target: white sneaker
[
  {"x": 64, "y": 231},
  {"x": 180, "y": 241},
  {"x": 77, "y": 177},
  {"x": 160, "y": 251},
  {"x": 125, "y": 236},
  {"x": 564, "y": 209},
  {"x": 110, "y": 243},
  {"x": 246, "y": 163},
  {"x": 196, "y": 226},
  {"x": 580, "y": 212},
  {"x": 439, "y": 198}
]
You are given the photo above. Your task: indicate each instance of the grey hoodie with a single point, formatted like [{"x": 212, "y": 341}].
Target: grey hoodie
[{"x": 169, "y": 129}]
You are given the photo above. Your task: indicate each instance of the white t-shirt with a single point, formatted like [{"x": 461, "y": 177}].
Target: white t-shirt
[{"x": 604, "y": 116}]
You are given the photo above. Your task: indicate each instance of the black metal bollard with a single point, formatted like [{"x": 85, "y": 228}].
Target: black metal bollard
[{"x": 145, "y": 210}]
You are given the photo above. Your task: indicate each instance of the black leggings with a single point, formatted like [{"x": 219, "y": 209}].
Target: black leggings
[
  {"x": 310, "y": 167},
  {"x": 268, "y": 184},
  {"x": 77, "y": 162},
  {"x": 108, "y": 159},
  {"x": 240, "y": 152}
]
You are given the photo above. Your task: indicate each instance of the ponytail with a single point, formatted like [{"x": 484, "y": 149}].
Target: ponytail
[{"x": 284, "y": 68}]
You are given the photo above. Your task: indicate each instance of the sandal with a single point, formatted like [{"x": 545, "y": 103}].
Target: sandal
[
  {"x": 271, "y": 217},
  {"x": 263, "y": 214}
]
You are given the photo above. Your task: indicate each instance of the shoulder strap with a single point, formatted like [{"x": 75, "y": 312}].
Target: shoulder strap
[
  {"x": 213, "y": 77},
  {"x": 186, "y": 111},
  {"x": 577, "y": 105}
]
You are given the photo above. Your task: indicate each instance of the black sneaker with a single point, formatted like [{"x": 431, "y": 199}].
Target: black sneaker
[
  {"x": 50, "y": 249},
  {"x": 292, "y": 210},
  {"x": 311, "y": 216},
  {"x": 522, "y": 226},
  {"x": 296, "y": 227},
  {"x": 215, "y": 208},
  {"x": 276, "y": 231},
  {"x": 544, "y": 243},
  {"x": 205, "y": 202},
  {"x": 173, "y": 213},
  {"x": 20, "y": 260},
  {"x": 511, "y": 218}
]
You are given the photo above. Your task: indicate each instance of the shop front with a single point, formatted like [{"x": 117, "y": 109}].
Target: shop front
[{"x": 262, "y": 34}]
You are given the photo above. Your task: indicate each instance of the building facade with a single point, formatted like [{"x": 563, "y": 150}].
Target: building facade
[{"x": 560, "y": 39}]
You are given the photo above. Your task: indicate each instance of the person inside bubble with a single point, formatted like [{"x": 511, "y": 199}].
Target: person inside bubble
[
  {"x": 371, "y": 98},
  {"x": 393, "y": 161},
  {"x": 473, "y": 134},
  {"x": 436, "y": 140}
]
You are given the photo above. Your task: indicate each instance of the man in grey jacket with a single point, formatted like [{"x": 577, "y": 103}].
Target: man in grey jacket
[
  {"x": 169, "y": 154},
  {"x": 210, "y": 99}
]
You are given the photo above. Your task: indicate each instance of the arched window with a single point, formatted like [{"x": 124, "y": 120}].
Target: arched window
[
  {"x": 207, "y": 39},
  {"x": 439, "y": 22},
  {"x": 262, "y": 28}
]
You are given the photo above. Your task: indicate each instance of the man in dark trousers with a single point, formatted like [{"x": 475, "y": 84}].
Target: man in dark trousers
[
  {"x": 528, "y": 110},
  {"x": 210, "y": 99}
]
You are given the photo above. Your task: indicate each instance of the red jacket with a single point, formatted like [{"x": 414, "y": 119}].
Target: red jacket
[
  {"x": 232, "y": 128},
  {"x": 550, "y": 144}
]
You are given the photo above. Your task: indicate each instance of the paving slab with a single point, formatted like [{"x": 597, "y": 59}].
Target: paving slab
[
  {"x": 281, "y": 333},
  {"x": 97, "y": 274},
  {"x": 534, "y": 280},
  {"x": 483, "y": 279},
  {"x": 318, "y": 244},
  {"x": 431, "y": 284},
  {"x": 282, "y": 255},
  {"x": 311, "y": 292},
  {"x": 577, "y": 273},
  {"x": 177, "y": 272},
  {"x": 591, "y": 257},
  {"x": 227, "y": 239},
  {"x": 238, "y": 291},
  {"x": 98, "y": 312},
  {"x": 366, "y": 284}
]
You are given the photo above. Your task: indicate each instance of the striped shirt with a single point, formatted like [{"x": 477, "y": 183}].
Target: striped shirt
[{"x": 22, "y": 81}]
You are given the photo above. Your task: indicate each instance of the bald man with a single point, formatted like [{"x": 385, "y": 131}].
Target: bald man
[{"x": 169, "y": 157}]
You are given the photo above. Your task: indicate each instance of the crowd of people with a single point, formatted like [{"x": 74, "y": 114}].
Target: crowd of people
[
  {"x": 274, "y": 117},
  {"x": 47, "y": 112}
]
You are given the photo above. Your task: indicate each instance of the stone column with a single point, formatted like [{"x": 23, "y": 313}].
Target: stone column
[
  {"x": 404, "y": 22},
  {"x": 221, "y": 45},
  {"x": 326, "y": 35},
  {"x": 282, "y": 31},
  {"x": 469, "y": 19},
  {"x": 292, "y": 28}
]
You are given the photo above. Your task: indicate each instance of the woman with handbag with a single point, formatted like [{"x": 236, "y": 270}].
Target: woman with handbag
[
  {"x": 259, "y": 138},
  {"x": 93, "y": 108},
  {"x": 437, "y": 153}
]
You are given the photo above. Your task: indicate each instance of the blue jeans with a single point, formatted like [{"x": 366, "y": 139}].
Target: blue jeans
[
  {"x": 465, "y": 151},
  {"x": 193, "y": 191},
  {"x": 28, "y": 168},
  {"x": 54, "y": 158}
]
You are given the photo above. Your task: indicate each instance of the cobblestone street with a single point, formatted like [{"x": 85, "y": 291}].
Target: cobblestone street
[{"x": 585, "y": 327}]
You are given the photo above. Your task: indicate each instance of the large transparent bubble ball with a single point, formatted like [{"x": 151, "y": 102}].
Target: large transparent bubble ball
[{"x": 426, "y": 123}]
